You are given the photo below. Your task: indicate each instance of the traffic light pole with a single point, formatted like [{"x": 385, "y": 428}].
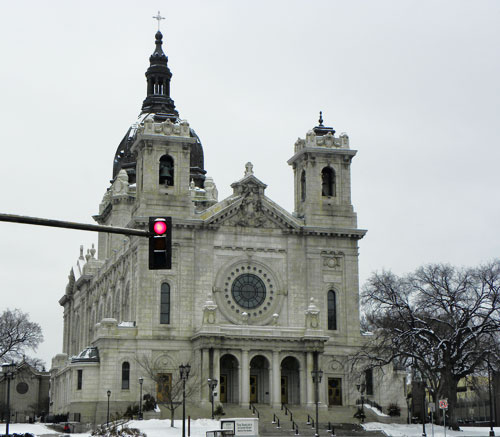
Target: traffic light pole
[{"x": 12, "y": 218}]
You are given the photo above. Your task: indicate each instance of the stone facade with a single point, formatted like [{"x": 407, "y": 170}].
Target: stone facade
[
  {"x": 29, "y": 393},
  {"x": 255, "y": 296}
]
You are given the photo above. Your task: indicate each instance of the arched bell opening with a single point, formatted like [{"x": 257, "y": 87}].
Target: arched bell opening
[
  {"x": 259, "y": 380},
  {"x": 166, "y": 172},
  {"x": 328, "y": 182},
  {"x": 228, "y": 380},
  {"x": 290, "y": 381}
]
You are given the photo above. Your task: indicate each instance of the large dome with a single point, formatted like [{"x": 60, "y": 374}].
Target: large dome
[{"x": 125, "y": 159}]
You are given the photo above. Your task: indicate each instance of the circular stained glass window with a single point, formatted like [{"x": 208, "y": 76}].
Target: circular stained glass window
[
  {"x": 22, "y": 388},
  {"x": 249, "y": 291}
]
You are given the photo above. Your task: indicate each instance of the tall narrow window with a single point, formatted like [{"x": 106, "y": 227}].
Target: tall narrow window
[
  {"x": 79, "y": 380},
  {"x": 125, "y": 376},
  {"x": 369, "y": 381},
  {"x": 332, "y": 311},
  {"x": 303, "y": 185},
  {"x": 166, "y": 170},
  {"x": 165, "y": 304},
  {"x": 328, "y": 181}
]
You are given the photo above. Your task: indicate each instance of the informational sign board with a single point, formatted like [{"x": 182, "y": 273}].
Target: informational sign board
[
  {"x": 443, "y": 404},
  {"x": 432, "y": 407},
  {"x": 245, "y": 427}
]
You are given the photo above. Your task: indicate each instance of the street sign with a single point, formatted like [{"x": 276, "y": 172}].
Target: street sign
[
  {"x": 443, "y": 404},
  {"x": 432, "y": 407}
]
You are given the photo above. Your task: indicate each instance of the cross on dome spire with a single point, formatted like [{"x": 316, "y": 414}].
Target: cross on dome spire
[
  {"x": 159, "y": 18},
  {"x": 158, "y": 78}
]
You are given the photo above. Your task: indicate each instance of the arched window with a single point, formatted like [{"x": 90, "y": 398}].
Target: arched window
[
  {"x": 328, "y": 181},
  {"x": 332, "y": 310},
  {"x": 166, "y": 170},
  {"x": 165, "y": 304},
  {"x": 303, "y": 185},
  {"x": 125, "y": 376}
]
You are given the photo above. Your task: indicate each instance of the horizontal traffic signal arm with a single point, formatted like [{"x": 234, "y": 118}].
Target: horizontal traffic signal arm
[{"x": 71, "y": 225}]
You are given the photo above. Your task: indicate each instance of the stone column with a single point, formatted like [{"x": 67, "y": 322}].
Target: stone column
[
  {"x": 303, "y": 384},
  {"x": 276, "y": 380},
  {"x": 323, "y": 384},
  {"x": 308, "y": 379},
  {"x": 245, "y": 379},
  {"x": 205, "y": 369},
  {"x": 216, "y": 374}
]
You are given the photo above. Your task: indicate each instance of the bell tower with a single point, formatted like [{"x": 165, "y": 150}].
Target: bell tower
[{"x": 322, "y": 178}]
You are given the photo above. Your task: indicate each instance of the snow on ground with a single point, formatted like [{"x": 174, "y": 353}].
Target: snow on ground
[
  {"x": 375, "y": 410},
  {"x": 152, "y": 428},
  {"x": 161, "y": 428},
  {"x": 400, "y": 430}
]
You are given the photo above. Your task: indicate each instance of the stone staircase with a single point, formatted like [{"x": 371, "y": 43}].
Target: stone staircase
[
  {"x": 341, "y": 418},
  {"x": 299, "y": 419}
]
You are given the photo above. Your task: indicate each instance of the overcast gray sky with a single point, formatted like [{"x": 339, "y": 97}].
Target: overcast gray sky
[{"x": 415, "y": 84}]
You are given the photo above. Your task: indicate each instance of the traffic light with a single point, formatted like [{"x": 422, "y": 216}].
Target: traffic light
[{"x": 160, "y": 243}]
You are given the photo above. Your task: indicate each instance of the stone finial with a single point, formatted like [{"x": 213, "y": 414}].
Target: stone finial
[
  {"x": 312, "y": 315},
  {"x": 276, "y": 317},
  {"x": 248, "y": 169},
  {"x": 192, "y": 185},
  {"x": 120, "y": 184},
  {"x": 211, "y": 189},
  {"x": 88, "y": 256},
  {"x": 209, "y": 311},
  {"x": 320, "y": 118},
  {"x": 81, "y": 253},
  {"x": 92, "y": 251}
]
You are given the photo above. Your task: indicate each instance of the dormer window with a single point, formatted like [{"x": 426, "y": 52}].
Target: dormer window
[
  {"x": 328, "y": 182},
  {"x": 166, "y": 172}
]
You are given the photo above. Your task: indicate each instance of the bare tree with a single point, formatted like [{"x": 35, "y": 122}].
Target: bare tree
[
  {"x": 18, "y": 334},
  {"x": 439, "y": 320},
  {"x": 169, "y": 385}
]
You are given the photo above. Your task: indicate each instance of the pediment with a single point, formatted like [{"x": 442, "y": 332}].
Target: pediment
[{"x": 253, "y": 210}]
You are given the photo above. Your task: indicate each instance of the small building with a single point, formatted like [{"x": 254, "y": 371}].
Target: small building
[{"x": 29, "y": 393}]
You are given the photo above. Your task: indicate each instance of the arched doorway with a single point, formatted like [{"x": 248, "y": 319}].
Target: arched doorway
[
  {"x": 259, "y": 380},
  {"x": 290, "y": 381},
  {"x": 228, "y": 384}
]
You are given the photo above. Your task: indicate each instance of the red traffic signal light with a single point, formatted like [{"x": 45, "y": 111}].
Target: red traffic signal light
[
  {"x": 159, "y": 227},
  {"x": 160, "y": 243}
]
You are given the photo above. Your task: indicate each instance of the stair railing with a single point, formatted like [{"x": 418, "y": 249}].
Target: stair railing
[
  {"x": 310, "y": 421},
  {"x": 295, "y": 427},
  {"x": 254, "y": 410},
  {"x": 287, "y": 410}
]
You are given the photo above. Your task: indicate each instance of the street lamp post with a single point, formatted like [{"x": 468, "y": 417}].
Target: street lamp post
[
  {"x": 361, "y": 388},
  {"x": 107, "y": 415},
  {"x": 408, "y": 418},
  {"x": 8, "y": 371},
  {"x": 212, "y": 383},
  {"x": 492, "y": 432},
  {"x": 141, "y": 380},
  {"x": 184, "y": 373},
  {"x": 316, "y": 377},
  {"x": 421, "y": 384}
]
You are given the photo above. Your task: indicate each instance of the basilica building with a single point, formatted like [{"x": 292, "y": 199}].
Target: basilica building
[{"x": 256, "y": 298}]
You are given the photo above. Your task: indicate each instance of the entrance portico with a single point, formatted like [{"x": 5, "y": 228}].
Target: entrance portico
[{"x": 259, "y": 373}]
